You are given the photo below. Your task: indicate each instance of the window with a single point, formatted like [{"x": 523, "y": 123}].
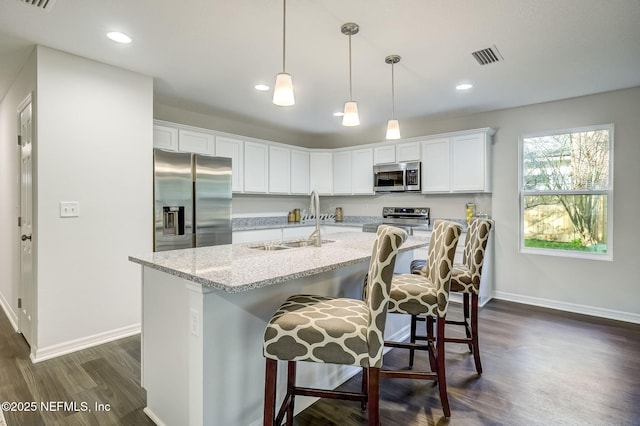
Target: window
[{"x": 566, "y": 192}]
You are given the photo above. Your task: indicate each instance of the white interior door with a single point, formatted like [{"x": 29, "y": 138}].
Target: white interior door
[{"x": 27, "y": 282}]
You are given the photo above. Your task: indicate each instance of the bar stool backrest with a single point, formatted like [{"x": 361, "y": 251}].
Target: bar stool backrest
[
  {"x": 378, "y": 282},
  {"x": 442, "y": 250}
]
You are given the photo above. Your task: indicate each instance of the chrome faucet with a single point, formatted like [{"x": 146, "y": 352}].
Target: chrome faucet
[{"x": 314, "y": 209}]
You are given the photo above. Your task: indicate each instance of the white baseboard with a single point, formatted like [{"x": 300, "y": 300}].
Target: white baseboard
[
  {"x": 569, "y": 307},
  {"x": 6, "y": 307},
  {"x": 41, "y": 354},
  {"x": 155, "y": 418}
]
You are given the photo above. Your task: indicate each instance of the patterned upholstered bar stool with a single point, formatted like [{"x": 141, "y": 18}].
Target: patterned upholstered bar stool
[
  {"x": 333, "y": 330},
  {"x": 428, "y": 295},
  {"x": 465, "y": 279}
]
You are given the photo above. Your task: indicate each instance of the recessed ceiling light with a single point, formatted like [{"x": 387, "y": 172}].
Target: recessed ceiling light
[
  {"x": 464, "y": 86},
  {"x": 119, "y": 37},
  {"x": 261, "y": 87},
  {"x": 338, "y": 114}
]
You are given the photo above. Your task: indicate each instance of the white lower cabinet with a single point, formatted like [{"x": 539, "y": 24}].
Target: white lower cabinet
[
  {"x": 297, "y": 232},
  {"x": 256, "y": 235}
]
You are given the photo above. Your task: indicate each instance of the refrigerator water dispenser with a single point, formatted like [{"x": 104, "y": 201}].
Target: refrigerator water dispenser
[{"x": 173, "y": 223}]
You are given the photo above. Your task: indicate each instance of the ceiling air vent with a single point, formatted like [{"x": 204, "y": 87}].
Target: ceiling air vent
[
  {"x": 40, "y": 4},
  {"x": 488, "y": 55}
]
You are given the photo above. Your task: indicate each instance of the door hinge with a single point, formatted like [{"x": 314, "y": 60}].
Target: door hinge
[
  {"x": 19, "y": 140},
  {"x": 19, "y": 303},
  {"x": 19, "y": 221}
]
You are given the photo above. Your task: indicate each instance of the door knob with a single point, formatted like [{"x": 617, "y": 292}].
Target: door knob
[{"x": 26, "y": 237}]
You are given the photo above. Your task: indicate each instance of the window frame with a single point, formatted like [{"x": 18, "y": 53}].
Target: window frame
[{"x": 608, "y": 192}]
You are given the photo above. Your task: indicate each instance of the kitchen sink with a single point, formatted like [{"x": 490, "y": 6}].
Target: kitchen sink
[
  {"x": 287, "y": 245},
  {"x": 269, "y": 247},
  {"x": 302, "y": 243}
]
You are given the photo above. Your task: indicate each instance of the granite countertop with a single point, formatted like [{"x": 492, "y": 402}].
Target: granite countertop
[
  {"x": 235, "y": 268},
  {"x": 277, "y": 222}
]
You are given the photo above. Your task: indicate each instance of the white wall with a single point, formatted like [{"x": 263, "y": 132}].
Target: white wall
[
  {"x": 24, "y": 84},
  {"x": 94, "y": 145}
]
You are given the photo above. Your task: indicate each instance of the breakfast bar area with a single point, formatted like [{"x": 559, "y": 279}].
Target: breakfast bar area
[{"x": 204, "y": 311}]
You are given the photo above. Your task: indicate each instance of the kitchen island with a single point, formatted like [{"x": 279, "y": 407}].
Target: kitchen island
[{"x": 204, "y": 311}]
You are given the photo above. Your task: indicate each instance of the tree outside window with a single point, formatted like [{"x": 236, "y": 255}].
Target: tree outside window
[{"x": 566, "y": 192}]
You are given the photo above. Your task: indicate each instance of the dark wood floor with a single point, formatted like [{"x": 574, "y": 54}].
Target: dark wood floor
[{"x": 541, "y": 367}]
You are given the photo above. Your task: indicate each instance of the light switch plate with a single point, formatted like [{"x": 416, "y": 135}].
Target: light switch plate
[{"x": 69, "y": 209}]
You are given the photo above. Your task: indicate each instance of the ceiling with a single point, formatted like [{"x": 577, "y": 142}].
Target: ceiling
[{"x": 209, "y": 54}]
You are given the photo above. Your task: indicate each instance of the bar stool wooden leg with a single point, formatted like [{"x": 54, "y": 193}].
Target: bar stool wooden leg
[
  {"x": 442, "y": 377},
  {"x": 365, "y": 387},
  {"x": 412, "y": 352},
  {"x": 270, "y": 392},
  {"x": 430, "y": 340},
  {"x": 291, "y": 383},
  {"x": 474, "y": 332},
  {"x": 373, "y": 396}
]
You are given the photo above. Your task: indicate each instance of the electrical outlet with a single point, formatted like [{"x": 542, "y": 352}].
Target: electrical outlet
[
  {"x": 194, "y": 322},
  {"x": 69, "y": 209}
]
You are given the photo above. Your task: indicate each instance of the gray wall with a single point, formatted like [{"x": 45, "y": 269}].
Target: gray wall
[{"x": 597, "y": 287}]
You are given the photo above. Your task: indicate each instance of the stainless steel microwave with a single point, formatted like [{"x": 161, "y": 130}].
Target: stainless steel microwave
[{"x": 396, "y": 177}]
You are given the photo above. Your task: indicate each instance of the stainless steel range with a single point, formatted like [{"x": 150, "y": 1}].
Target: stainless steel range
[{"x": 406, "y": 218}]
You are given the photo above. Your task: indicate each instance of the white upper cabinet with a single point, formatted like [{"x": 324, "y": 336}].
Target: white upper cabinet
[
  {"x": 256, "y": 167},
  {"x": 457, "y": 162},
  {"x": 436, "y": 168},
  {"x": 279, "y": 170},
  {"x": 408, "y": 151},
  {"x": 362, "y": 171},
  {"x": 299, "y": 172},
  {"x": 384, "y": 154},
  {"x": 342, "y": 172},
  {"x": 321, "y": 172},
  {"x": 199, "y": 143},
  {"x": 165, "y": 137},
  {"x": 471, "y": 168},
  {"x": 232, "y": 148}
]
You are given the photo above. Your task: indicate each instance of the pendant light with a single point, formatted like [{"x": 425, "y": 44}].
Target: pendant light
[
  {"x": 393, "y": 127},
  {"x": 350, "y": 117},
  {"x": 283, "y": 92}
]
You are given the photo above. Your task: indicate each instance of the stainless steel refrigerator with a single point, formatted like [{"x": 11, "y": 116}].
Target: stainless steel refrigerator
[{"x": 192, "y": 204}]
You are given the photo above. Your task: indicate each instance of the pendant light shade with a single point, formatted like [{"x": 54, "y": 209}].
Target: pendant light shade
[
  {"x": 283, "y": 92},
  {"x": 350, "y": 117},
  {"x": 393, "y": 129},
  {"x": 393, "y": 126}
]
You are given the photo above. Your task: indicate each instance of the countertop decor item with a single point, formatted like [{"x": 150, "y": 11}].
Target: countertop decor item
[{"x": 338, "y": 216}]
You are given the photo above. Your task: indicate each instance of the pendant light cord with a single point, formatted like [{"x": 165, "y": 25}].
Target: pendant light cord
[
  {"x": 284, "y": 32},
  {"x": 393, "y": 94},
  {"x": 350, "y": 83}
]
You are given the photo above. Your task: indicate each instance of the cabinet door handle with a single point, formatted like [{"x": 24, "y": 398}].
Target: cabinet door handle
[{"x": 26, "y": 237}]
